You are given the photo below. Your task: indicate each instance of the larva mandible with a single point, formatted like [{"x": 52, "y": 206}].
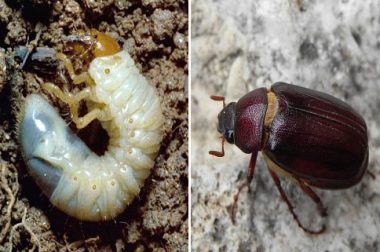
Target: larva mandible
[{"x": 76, "y": 180}]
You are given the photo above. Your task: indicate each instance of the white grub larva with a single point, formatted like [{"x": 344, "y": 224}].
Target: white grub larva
[{"x": 75, "y": 179}]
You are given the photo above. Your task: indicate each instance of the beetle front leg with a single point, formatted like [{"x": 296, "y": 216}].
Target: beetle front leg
[
  {"x": 251, "y": 171},
  {"x": 285, "y": 198}
]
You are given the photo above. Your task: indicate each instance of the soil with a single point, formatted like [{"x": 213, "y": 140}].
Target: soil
[{"x": 155, "y": 33}]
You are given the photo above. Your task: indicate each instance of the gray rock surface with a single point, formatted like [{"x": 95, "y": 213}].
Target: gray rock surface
[{"x": 237, "y": 46}]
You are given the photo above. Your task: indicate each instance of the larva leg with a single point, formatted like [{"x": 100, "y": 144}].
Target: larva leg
[
  {"x": 66, "y": 97},
  {"x": 96, "y": 113},
  {"x": 73, "y": 101},
  {"x": 77, "y": 79}
]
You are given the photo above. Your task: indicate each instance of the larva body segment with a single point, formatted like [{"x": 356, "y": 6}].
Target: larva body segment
[{"x": 82, "y": 184}]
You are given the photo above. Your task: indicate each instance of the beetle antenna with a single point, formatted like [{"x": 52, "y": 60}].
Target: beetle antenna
[
  {"x": 218, "y": 98},
  {"x": 218, "y": 153}
]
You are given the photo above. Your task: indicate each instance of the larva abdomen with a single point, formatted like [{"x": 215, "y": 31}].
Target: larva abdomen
[{"x": 144, "y": 139}]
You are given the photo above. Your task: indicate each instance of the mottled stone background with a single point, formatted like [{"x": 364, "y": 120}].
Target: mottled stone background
[{"x": 237, "y": 46}]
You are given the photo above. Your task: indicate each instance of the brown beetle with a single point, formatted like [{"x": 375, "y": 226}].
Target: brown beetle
[{"x": 309, "y": 136}]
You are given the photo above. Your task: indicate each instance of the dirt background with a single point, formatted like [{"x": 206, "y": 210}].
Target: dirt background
[
  {"x": 155, "y": 33},
  {"x": 237, "y": 46}
]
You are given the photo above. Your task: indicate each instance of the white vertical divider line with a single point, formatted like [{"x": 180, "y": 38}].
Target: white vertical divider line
[{"x": 189, "y": 124}]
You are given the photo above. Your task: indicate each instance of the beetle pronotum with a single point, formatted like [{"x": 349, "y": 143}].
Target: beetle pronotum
[
  {"x": 76, "y": 180},
  {"x": 311, "y": 137}
]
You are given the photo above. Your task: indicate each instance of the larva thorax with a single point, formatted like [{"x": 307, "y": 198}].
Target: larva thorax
[{"x": 83, "y": 184}]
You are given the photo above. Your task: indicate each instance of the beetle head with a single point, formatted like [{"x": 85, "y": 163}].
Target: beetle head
[{"x": 226, "y": 122}]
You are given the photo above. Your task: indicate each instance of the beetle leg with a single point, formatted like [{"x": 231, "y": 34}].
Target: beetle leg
[
  {"x": 285, "y": 198},
  {"x": 371, "y": 174},
  {"x": 77, "y": 79},
  {"x": 314, "y": 197},
  {"x": 251, "y": 171}
]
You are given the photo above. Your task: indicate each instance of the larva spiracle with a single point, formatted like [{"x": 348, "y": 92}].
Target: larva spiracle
[{"x": 75, "y": 179}]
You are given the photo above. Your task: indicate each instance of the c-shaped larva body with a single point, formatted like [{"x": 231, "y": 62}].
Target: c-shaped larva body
[{"x": 77, "y": 181}]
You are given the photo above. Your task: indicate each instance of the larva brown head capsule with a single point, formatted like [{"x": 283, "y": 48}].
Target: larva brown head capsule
[
  {"x": 104, "y": 45},
  {"x": 96, "y": 42}
]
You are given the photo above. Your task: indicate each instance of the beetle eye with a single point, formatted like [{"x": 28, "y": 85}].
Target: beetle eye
[{"x": 229, "y": 135}]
